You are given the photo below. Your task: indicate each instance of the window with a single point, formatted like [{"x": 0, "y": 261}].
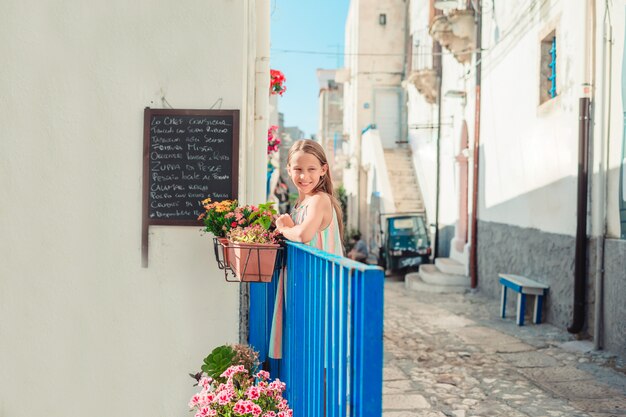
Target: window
[{"x": 548, "y": 72}]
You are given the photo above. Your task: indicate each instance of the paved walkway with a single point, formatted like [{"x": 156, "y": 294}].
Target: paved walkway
[{"x": 451, "y": 355}]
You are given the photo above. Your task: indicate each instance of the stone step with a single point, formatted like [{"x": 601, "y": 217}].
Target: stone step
[
  {"x": 404, "y": 182},
  {"x": 413, "y": 281},
  {"x": 450, "y": 266},
  {"x": 401, "y": 203},
  {"x": 404, "y": 159},
  {"x": 403, "y": 177},
  {"x": 404, "y": 185},
  {"x": 432, "y": 275},
  {"x": 402, "y": 194},
  {"x": 399, "y": 163},
  {"x": 408, "y": 201},
  {"x": 400, "y": 172},
  {"x": 408, "y": 209}
]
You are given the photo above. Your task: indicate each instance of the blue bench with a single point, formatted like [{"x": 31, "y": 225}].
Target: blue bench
[{"x": 523, "y": 286}]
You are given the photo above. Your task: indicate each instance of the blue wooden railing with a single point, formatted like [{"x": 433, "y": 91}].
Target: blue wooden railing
[{"x": 332, "y": 333}]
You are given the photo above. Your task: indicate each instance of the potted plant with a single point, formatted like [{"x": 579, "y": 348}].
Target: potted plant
[
  {"x": 217, "y": 216},
  {"x": 230, "y": 386},
  {"x": 245, "y": 238},
  {"x": 252, "y": 252}
]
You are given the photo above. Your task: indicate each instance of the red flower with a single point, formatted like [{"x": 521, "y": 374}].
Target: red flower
[
  {"x": 277, "y": 80},
  {"x": 233, "y": 224}
]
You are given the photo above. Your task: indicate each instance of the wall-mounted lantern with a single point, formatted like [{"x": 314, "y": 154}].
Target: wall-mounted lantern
[{"x": 382, "y": 19}]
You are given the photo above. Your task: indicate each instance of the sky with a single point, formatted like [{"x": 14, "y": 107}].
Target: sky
[{"x": 305, "y": 25}]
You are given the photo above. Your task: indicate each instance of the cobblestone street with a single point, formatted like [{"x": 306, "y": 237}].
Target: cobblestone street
[{"x": 452, "y": 355}]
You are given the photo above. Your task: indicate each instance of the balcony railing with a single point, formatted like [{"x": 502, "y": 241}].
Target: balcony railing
[{"x": 332, "y": 333}]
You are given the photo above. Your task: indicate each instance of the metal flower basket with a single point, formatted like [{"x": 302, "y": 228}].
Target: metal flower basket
[{"x": 248, "y": 262}]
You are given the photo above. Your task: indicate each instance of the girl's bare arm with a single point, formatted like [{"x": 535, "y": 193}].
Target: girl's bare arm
[{"x": 317, "y": 206}]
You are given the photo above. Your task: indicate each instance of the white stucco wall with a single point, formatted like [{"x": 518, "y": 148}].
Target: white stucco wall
[
  {"x": 612, "y": 76},
  {"x": 423, "y": 130},
  {"x": 83, "y": 328},
  {"x": 529, "y": 152}
]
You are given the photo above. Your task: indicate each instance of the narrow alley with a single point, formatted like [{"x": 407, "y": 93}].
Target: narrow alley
[{"x": 452, "y": 355}]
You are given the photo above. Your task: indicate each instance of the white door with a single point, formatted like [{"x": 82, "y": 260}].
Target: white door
[{"x": 387, "y": 116}]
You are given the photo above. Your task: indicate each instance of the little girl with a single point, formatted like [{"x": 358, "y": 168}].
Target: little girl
[{"x": 316, "y": 218}]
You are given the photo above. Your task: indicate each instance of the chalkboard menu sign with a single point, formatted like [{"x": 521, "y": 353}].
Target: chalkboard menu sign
[{"x": 189, "y": 155}]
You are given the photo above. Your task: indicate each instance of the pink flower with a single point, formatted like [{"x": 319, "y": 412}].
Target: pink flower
[
  {"x": 206, "y": 411},
  {"x": 264, "y": 375},
  {"x": 256, "y": 410},
  {"x": 194, "y": 400},
  {"x": 276, "y": 386},
  {"x": 269, "y": 414},
  {"x": 207, "y": 398},
  {"x": 253, "y": 393},
  {"x": 233, "y": 370},
  {"x": 282, "y": 405},
  {"x": 243, "y": 407},
  {"x": 205, "y": 382},
  {"x": 225, "y": 396}
]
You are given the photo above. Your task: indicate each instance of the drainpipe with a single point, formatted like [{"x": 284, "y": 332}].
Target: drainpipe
[
  {"x": 605, "y": 123},
  {"x": 584, "y": 124},
  {"x": 437, "y": 64},
  {"x": 261, "y": 102},
  {"x": 476, "y": 153},
  {"x": 256, "y": 105}
]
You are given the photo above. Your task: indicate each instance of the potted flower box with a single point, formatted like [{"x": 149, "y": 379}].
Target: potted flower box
[
  {"x": 246, "y": 243},
  {"x": 252, "y": 253},
  {"x": 252, "y": 262}
]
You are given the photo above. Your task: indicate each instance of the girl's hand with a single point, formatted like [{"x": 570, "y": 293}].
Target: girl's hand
[{"x": 284, "y": 221}]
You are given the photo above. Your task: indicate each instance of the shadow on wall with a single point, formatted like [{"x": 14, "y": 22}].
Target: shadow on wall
[
  {"x": 550, "y": 258},
  {"x": 446, "y": 234}
]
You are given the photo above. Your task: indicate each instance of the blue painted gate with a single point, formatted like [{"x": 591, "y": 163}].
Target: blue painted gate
[{"x": 332, "y": 333}]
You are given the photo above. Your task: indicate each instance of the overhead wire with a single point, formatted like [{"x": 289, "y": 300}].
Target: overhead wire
[
  {"x": 523, "y": 19},
  {"x": 306, "y": 52}
]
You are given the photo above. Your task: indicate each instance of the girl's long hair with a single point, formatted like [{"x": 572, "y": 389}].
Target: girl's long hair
[{"x": 326, "y": 182}]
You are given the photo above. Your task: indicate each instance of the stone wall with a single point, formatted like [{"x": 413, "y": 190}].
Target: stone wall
[
  {"x": 544, "y": 257},
  {"x": 615, "y": 296},
  {"x": 549, "y": 258}
]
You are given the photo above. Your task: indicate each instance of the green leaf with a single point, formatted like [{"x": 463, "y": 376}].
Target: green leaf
[{"x": 218, "y": 361}]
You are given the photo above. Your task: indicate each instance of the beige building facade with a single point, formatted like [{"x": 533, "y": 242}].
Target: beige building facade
[{"x": 375, "y": 38}]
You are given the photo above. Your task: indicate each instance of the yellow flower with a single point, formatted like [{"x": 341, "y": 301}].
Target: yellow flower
[{"x": 206, "y": 201}]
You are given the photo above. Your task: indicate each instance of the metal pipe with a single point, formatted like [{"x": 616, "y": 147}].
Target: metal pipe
[
  {"x": 584, "y": 124},
  {"x": 437, "y": 65},
  {"x": 605, "y": 133},
  {"x": 476, "y": 153},
  {"x": 580, "y": 264},
  {"x": 261, "y": 103}
]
